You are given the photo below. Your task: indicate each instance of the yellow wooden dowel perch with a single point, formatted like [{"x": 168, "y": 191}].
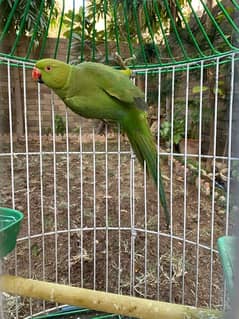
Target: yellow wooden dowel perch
[{"x": 102, "y": 301}]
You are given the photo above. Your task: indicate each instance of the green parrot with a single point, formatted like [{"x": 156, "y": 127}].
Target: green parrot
[{"x": 95, "y": 90}]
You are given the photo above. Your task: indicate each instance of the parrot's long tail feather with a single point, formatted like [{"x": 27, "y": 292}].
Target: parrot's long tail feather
[{"x": 145, "y": 149}]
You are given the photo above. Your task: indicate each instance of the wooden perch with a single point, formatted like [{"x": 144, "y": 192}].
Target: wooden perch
[{"x": 102, "y": 301}]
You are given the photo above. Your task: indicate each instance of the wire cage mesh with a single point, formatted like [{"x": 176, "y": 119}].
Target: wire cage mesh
[{"x": 92, "y": 215}]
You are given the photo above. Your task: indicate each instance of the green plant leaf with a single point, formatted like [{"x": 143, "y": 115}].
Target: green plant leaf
[{"x": 198, "y": 89}]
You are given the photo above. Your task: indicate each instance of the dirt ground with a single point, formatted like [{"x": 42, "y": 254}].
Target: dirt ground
[{"x": 114, "y": 243}]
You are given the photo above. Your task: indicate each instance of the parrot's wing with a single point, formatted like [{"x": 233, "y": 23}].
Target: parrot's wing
[
  {"x": 126, "y": 97},
  {"x": 115, "y": 84}
]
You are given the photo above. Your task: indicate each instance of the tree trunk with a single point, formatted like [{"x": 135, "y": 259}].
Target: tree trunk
[
  {"x": 19, "y": 124},
  {"x": 210, "y": 4},
  {"x": 211, "y": 104},
  {"x": 17, "y": 100}
]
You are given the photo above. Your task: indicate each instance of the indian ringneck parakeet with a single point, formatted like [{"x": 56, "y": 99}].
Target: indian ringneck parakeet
[{"x": 95, "y": 90}]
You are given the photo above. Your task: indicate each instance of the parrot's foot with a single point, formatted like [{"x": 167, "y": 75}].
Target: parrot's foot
[{"x": 123, "y": 63}]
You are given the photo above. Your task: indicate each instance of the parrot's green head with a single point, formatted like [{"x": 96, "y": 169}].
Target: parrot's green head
[{"x": 52, "y": 72}]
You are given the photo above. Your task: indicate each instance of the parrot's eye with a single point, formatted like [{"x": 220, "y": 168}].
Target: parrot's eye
[{"x": 48, "y": 68}]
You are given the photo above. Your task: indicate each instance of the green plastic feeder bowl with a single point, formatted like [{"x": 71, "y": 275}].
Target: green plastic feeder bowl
[{"x": 10, "y": 221}]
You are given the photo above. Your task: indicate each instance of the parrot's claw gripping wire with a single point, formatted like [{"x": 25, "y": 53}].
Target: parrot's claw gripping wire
[{"x": 123, "y": 63}]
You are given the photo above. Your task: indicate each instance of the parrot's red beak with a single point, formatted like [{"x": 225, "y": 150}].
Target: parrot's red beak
[{"x": 36, "y": 75}]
